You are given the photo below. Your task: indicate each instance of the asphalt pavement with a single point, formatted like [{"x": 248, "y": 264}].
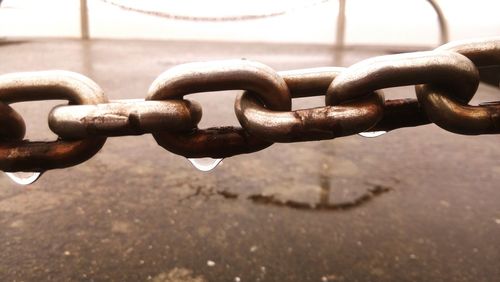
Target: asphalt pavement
[{"x": 416, "y": 204}]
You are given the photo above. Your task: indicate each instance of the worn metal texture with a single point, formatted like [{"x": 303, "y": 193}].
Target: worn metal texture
[
  {"x": 52, "y": 85},
  {"x": 309, "y": 124},
  {"x": 124, "y": 117},
  {"x": 416, "y": 204},
  {"x": 218, "y": 76},
  {"x": 13, "y": 126},
  {"x": 355, "y": 103},
  {"x": 454, "y": 114},
  {"x": 448, "y": 70}
]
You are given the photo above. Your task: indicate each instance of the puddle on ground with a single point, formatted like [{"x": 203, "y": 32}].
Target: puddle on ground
[
  {"x": 324, "y": 202},
  {"x": 310, "y": 181}
]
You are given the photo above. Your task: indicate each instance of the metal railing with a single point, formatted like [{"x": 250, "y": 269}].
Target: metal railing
[{"x": 341, "y": 22}]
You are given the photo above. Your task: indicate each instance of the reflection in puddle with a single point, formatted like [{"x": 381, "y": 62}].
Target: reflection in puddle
[
  {"x": 364, "y": 198},
  {"x": 324, "y": 193},
  {"x": 324, "y": 202},
  {"x": 322, "y": 205}
]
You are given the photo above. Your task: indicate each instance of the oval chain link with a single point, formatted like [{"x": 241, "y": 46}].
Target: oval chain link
[
  {"x": 191, "y": 78},
  {"x": 445, "y": 108},
  {"x": 123, "y": 118},
  {"x": 441, "y": 68},
  {"x": 308, "y": 124},
  {"x": 48, "y": 85}
]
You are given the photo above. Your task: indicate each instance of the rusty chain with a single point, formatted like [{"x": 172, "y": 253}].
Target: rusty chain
[{"x": 445, "y": 80}]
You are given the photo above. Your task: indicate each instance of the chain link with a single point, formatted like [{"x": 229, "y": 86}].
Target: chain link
[
  {"x": 191, "y": 78},
  {"x": 26, "y": 155},
  {"x": 180, "y": 17},
  {"x": 445, "y": 107},
  {"x": 124, "y": 117},
  {"x": 309, "y": 124},
  {"x": 445, "y": 80}
]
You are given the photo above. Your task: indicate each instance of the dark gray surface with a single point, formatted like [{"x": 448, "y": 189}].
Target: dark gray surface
[{"x": 136, "y": 212}]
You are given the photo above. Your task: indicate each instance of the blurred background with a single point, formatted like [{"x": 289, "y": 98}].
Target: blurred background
[{"x": 383, "y": 22}]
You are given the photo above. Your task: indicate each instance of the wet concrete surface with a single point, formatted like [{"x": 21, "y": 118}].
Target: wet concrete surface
[{"x": 417, "y": 204}]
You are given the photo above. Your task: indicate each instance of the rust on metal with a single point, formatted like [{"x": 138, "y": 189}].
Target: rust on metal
[
  {"x": 124, "y": 117},
  {"x": 309, "y": 124},
  {"x": 216, "y": 142},
  {"x": 445, "y": 80},
  {"x": 12, "y": 124},
  {"x": 34, "y": 86},
  {"x": 401, "y": 113},
  {"x": 445, "y": 108},
  {"x": 216, "y": 76}
]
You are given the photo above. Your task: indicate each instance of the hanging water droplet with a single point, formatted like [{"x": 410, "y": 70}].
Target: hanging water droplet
[
  {"x": 205, "y": 164},
  {"x": 24, "y": 178},
  {"x": 372, "y": 134}
]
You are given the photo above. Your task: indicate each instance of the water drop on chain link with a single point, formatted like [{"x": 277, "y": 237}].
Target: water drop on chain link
[
  {"x": 24, "y": 178},
  {"x": 205, "y": 164},
  {"x": 372, "y": 134}
]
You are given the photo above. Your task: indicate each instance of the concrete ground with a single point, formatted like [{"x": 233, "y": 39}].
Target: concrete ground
[{"x": 135, "y": 212}]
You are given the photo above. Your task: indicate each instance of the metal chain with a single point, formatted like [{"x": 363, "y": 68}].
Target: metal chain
[
  {"x": 172, "y": 16},
  {"x": 445, "y": 79}
]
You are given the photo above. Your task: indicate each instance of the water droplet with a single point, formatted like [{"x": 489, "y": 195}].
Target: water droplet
[
  {"x": 372, "y": 134},
  {"x": 210, "y": 263},
  {"x": 24, "y": 178},
  {"x": 205, "y": 164}
]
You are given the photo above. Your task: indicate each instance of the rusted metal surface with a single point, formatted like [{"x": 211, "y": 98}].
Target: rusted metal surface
[
  {"x": 13, "y": 127},
  {"x": 217, "y": 76},
  {"x": 354, "y": 104},
  {"x": 216, "y": 142},
  {"x": 41, "y": 156},
  {"x": 35, "y": 86},
  {"x": 401, "y": 113},
  {"x": 448, "y": 110},
  {"x": 309, "y": 124},
  {"x": 124, "y": 117}
]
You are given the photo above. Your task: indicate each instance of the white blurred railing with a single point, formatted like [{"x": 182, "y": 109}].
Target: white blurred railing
[
  {"x": 341, "y": 22},
  {"x": 338, "y": 22},
  {"x": 84, "y": 20}
]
